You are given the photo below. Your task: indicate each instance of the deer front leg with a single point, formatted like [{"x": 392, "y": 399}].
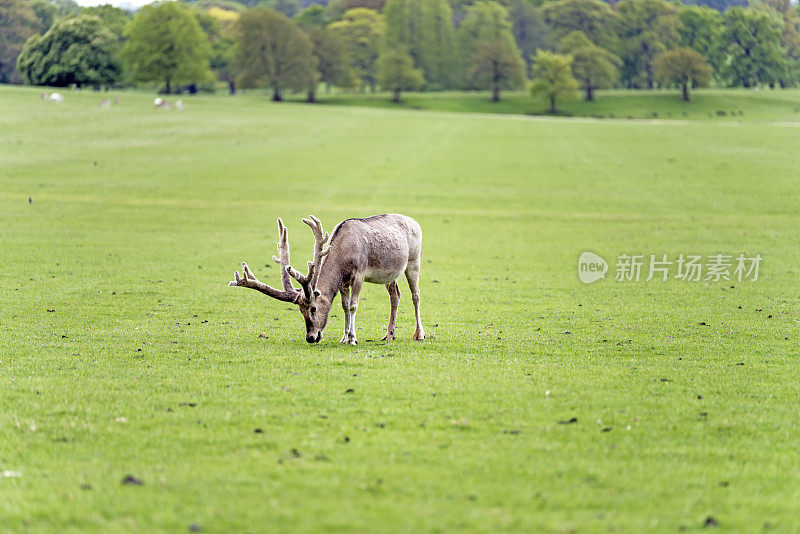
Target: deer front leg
[
  {"x": 394, "y": 299},
  {"x": 345, "y": 294},
  {"x": 355, "y": 290}
]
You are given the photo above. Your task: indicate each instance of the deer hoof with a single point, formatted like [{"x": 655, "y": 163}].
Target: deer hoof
[
  {"x": 388, "y": 337},
  {"x": 419, "y": 335}
]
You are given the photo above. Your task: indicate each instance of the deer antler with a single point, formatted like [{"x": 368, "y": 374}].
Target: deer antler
[
  {"x": 249, "y": 280},
  {"x": 289, "y": 293},
  {"x": 319, "y": 241},
  {"x": 283, "y": 256},
  {"x": 309, "y": 281}
]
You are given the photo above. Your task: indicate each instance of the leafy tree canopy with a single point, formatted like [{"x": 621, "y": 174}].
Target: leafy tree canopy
[
  {"x": 396, "y": 72},
  {"x": 113, "y": 17},
  {"x": 332, "y": 62},
  {"x": 646, "y": 28},
  {"x": 424, "y": 29},
  {"x": 496, "y": 66},
  {"x": 592, "y": 66},
  {"x": 165, "y": 43},
  {"x": 552, "y": 76},
  {"x": 592, "y": 17},
  {"x": 273, "y": 52},
  {"x": 312, "y": 17},
  {"x": 752, "y": 45},
  {"x": 484, "y": 22},
  {"x": 530, "y": 30},
  {"x": 17, "y": 22},
  {"x": 75, "y": 50},
  {"x": 45, "y": 12},
  {"x": 684, "y": 67},
  {"x": 361, "y": 30}
]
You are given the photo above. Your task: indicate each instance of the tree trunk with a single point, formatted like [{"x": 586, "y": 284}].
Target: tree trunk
[
  {"x": 589, "y": 93},
  {"x": 232, "y": 88},
  {"x": 685, "y": 91},
  {"x": 396, "y": 97},
  {"x": 649, "y": 70},
  {"x": 553, "y": 104},
  {"x": 495, "y": 93},
  {"x": 168, "y": 88},
  {"x": 276, "y": 95},
  {"x": 311, "y": 97}
]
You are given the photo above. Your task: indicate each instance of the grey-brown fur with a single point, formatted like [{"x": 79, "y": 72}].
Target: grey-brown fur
[{"x": 376, "y": 249}]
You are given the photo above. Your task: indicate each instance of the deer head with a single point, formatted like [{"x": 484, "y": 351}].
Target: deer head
[{"x": 313, "y": 305}]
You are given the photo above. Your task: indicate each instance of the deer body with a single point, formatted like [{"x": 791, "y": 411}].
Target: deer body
[{"x": 377, "y": 249}]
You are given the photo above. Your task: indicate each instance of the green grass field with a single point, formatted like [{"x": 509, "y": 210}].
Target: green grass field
[
  {"x": 706, "y": 104},
  {"x": 123, "y": 351}
]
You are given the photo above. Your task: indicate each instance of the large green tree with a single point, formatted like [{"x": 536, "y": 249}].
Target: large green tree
[
  {"x": 701, "y": 29},
  {"x": 165, "y": 43},
  {"x": 75, "y": 50},
  {"x": 424, "y": 29},
  {"x": 332, "y": 61},
  {"x": 683, "y": 67},
  {"x": 17, "y": 23},
  {"x": 216, "y": 24},
  {"x": 752, "y": 47},
  {"x": 314, "y": 16},
  {"x": 530, "y": 30},
  {"x": 66, "y": 8},
  {"x": 646, "y": 28},
  {"x": 45, "y": 12},
  {"x": 552, "y": 77},
  {"x": 496, "y": 66},
  {"x": 592, "y": 17},
  {"x": 115, "y": 18},
  {"x": 789, "y": 13},
  {"x": 273, "y": 52},
  {"x": 484, "y": 22},
  {"x": 592, "y": 66},
  {"x": 396, "y": 73},
  {"x": 361, "y": 31}
]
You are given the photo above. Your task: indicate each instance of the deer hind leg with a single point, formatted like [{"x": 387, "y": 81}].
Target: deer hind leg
[
  {"x": 412, "y": 275},
  {"x": 394, "y": 298},
  {"x": 355, "y": 290},
  {"x": 345, "y": 294}
]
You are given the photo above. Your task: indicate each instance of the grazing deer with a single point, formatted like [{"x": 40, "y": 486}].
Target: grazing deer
[
  {"x": 161, "y": 103},
  {"x": 377, "y": 249}
]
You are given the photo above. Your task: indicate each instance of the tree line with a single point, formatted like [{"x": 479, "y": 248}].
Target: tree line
[{"x": 401, "y": 45}]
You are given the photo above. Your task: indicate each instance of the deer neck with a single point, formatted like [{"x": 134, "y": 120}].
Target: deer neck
[{"x": 331, "y": 277}]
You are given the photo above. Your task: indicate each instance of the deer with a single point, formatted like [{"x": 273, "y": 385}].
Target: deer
[{"x": 375, "y": 249}]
